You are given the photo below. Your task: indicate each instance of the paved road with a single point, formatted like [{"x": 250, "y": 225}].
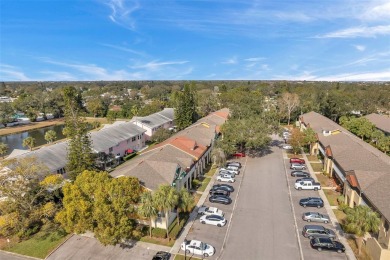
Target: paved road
[
  {"x": 9, "y": 256},
  {"x": 263, "y": 225}
]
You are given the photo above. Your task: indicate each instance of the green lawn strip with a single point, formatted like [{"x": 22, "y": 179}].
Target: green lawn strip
[
  {"x": 322, "y": 179},
  {"x": 205, "y": 182},
  {"x": 312, "y": 158},
  {"x": 317, "y": 167},
  {"x": 211, "y": 172},
  {"x": 340, "y": 215},
  {"x": 292, "y": 155},
  {"x": 332, "y": 195},
  {"x": 189, "y": 257},
  {"x": 158, "y": 241},
  {"x": 40, "y": 244},
  {"x": 364, "y": 255}
]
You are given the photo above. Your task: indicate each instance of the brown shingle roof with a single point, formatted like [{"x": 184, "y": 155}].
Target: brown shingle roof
[{"x": 382, "y": 122}]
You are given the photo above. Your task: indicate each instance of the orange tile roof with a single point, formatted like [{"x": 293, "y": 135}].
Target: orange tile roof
[
  {"x": 328, "y": 151},
  {"x": 222, "y": 114},
  {"x": 352, "y": 180},
  {"x": 189, "y": 146}
]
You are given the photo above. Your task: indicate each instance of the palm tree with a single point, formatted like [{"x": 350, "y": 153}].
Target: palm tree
[
  {"x": 3, "y": 149},
  {"x": 165, "y": 199},
  {"x": 50, "y": 136},
  {"x": 147, "y": 208},
  {"x": 29, "y": 142},
  {"x": 359, "y": 221},
  {"x": 185, "y": 203}
]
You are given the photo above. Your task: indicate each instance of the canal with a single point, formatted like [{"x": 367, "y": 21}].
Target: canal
[{"x": 15, "y": 141}]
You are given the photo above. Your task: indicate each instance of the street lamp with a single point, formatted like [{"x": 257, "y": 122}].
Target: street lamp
[{"x": 185, "y": 249}]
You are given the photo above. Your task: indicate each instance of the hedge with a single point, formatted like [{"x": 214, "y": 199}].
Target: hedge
[
  {"x": 128, "y": 157},
  {"x": 174, "y": 228},
  {"x": 159, "y": 233}
]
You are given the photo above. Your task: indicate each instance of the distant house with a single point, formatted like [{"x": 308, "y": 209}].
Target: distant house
[
  {"x": 381, "y": 122},
  {"x": 361, "y": 170},
  {"x": 153, "y": 122}
]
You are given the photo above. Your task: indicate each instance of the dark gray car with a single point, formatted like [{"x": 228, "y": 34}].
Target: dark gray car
[
  {"x": 315, "y": 217},
  {"x": 313, "y": 231}
]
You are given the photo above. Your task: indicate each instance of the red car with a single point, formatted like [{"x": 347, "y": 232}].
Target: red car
[
  {"x": 239, "y": 154},
  {"x": 297, "y": 160}
]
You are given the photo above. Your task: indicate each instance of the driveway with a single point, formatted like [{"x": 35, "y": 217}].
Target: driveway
[{"x": 81, "y": 247}]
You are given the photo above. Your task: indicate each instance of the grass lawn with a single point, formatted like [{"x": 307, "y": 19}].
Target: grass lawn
[
  {"x": 312, "y": 158},
  {"x": 292, "y": 155},
  {"x": 332, "y": 195},
  {"x": 181, "y": 257},
  {"x": 317, "y": 167},
  {"x": 39, "y": 245},
  {"x": 205, "y": 182},
  {"x": 31, "y": 126},
  {"x": 211, "y": 171},
  {"x": 364, "y": 255},
  {"x": 158, "y": 241},
  {"x": 322, "y": 179},
  {"x": 340, "y": 215}
]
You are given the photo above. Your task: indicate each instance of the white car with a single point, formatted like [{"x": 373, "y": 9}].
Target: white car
[
  {"x": 225, "y": 178},
  {"x": 210, "y": 211},
  {"x": 197, "y": 247},
  {"x": 229, "y": 170},
  {"x": 287, "y": 147},
  {"x": 226, "y": 173},
  {"x": 215, "y": 220}
]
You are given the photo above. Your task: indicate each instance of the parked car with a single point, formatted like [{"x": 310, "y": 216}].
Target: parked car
[
  {"x": 297, "y": 160},
  {"x": 297, "y": 166},
  {"x": 287, "y": 147},
  {"x": 230, "y": 173},
  {"x": 315, "y": 217},
  {"x": 216, "y": 220},
  {"x": 305, "y": 179},
  {"x": 220, "y": 192},
  {"x": 161, "y": 255},
  {"x": 327, "y": 244},
  {"x": 197, "y": 247},
  {"x": 223, "y": 186},
  {"x": 300, "y": 174},
  {"x": 307, "y": 185},
  {"x": 220, "y": 199},
  {"x": 232, "y": 167},
  {"x": 210, "y": 211},
  {"x": 229, "y": 170},
  {"x": 311, "y": 202},
  {"x": 313, "y": 231},
  {"x": 238, "y": 164},
  {"x": 242, "y": 154},
  {"x": 225, "y": 178}
]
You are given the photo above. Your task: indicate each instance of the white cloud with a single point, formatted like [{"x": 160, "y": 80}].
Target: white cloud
[
  {"x": 124, "y": 49},
  {"x": 254, "y": 59},
  {"x": 380, "y": 11},
  {"x": 360, "y": 47},
  {"x": 12, "y": 73},
  {"x": 121, "y": 12},
  {"x": 362, "y": 31},
  {"x": 360, "y": 76},
  {"x": 153, "y": 65},
  {"x": 230, "y": 61}
]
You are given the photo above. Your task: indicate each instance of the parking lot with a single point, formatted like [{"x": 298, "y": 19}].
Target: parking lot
[
  {"x": 296, "y": 195},
  {"x": 211, "y": 234}
]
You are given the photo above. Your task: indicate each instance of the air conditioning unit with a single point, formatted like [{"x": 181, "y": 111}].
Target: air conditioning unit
[{"x": 326, "y": 132}]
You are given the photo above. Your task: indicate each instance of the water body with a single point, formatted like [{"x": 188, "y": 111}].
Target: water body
[{"x": 15, "y": 141}]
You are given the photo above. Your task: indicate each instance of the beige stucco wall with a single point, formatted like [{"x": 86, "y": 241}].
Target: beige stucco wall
[
  {"x": 352, "y": 197},
  {"x": 384, "y": 235},
  {"x": 376, "y": 251}
]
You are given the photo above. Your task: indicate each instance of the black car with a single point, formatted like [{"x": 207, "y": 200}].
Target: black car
[
  {"x": 161, "y": 255},
  {"x": 305, "y": 179},
  {"x": 226, "y": 187},
  {"x": 220, "y": 199},
  {"x": 327, "y": 244},
  {"x": 300, "y": 174},
  {"x": 220, "y": 192},
  {"x": 311, "y": 202}
]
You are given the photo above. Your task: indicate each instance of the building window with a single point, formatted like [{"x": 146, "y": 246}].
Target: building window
[
  {"x": 133, "y": 139},
  {"x": 110, "y": 150}
]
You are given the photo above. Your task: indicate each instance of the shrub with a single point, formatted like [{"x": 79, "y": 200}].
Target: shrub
[
  {"x": 343, "y": 207},
  {"x": 196, "y": 183},
  {"x": 341, "y": 199},
  {"x": 159, "y": 233},
  {"x": 128, "y": 157},
  {"x": 174, "y": 228}
]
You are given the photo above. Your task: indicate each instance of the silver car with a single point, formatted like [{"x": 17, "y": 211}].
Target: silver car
[{"x": 315, "y": 217}]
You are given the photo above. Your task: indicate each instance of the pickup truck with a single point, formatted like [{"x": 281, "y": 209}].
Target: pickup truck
[{"x": 307, "y": 185}]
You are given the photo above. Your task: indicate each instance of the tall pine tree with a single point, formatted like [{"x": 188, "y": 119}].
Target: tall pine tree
[
  {"x": 185, "y": 106},
  {"x": 80, "y": 155}
]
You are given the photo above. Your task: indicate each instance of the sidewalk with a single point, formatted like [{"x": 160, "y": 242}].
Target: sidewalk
[
  {"x": 340, "y": 234},
  {"x": 176, "y": 247}
]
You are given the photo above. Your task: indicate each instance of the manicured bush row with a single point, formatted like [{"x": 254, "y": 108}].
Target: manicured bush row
[{"x": 128, "y": 157}]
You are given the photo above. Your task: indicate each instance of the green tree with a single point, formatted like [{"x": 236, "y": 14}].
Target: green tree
[
  {"x": 50, "y": 136},
  {"x": 309, "y": 137},
  {"x": 6, "y": 112},
  {"x": 185, "y": 203},
  {"x": 218, "y": 155},
  {"x": 80, "y": 155},
  {"x": 3, "y": 149},
  {"x": 166, "y": 198},
  {"x": 29, "y": 142},
  {"x": 359, "y": 221},
  {"x": 147, "y": 208},
  {"x": 96, "y": 106},
  {"x": 185, "y": 104},
  {"x": 161, "y": 135},
  {"x": 297, "y": 139},
  {"x": 99, "y": 203},
  {"x": 288, "y": 103},
  {"x": 30, "y": 204}
]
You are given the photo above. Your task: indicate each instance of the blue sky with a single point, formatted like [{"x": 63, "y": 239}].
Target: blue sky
[{"x": 201, "y": 40}]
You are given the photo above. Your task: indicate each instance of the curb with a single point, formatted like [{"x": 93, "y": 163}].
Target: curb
[
  {"x": 55, "y": 249},
  {"x": 19, "y": 255}
]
